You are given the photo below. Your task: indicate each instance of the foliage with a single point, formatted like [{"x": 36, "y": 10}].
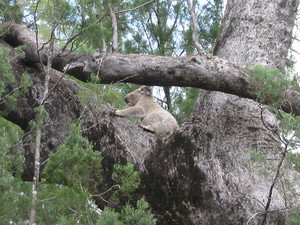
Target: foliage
[
  {"x": 113, "y": 94},
  {"x": 65, "y": 205},
  {"x": 11, "y": 168},
  {"x": 257, "y": 156},
  {"x": 11, "y": 157},
  {"x": 109, "y": 217},
  {"x": 128, "y": 179},
  {"x": 183, "y": 102},
  {"x": 9, "y": 11},
  {"x": 10, "y": 88},
  {"x": 294, "y": 158},
  {"x": 15, "y": 199},
  {"x": 139, "y": 216},
  {"x": 86, "y": 22},
  {"x": 56, "y": 204},
  {"x": 294, "y": 216},
  {"x": 129, "y": 215},
  {"x": 154, "y": 28},
  {"x": 269, "y": 83},
  {"x": 75, "y": 164},
  {"x": 65, "y": 194},
  {"x": 12, "y": 189},
  {"x": 210, "y": 23},
  {"x": 289, "y": 128}
]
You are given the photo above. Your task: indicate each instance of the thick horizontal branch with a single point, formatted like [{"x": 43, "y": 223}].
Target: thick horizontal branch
[
  {"x": 201, "y": 71},
  {"x": 210, "y": 73}
]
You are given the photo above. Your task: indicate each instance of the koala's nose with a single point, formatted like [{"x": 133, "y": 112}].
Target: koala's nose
[{"x": 126, "y": 99}]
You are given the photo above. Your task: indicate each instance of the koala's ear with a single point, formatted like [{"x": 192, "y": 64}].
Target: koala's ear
[{"x": 146, "y": 90}]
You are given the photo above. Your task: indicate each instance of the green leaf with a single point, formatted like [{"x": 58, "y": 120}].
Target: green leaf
[{"x": 128, "y": 179}]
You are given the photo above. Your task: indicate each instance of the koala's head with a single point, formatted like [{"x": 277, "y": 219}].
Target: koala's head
[{"x": 134, "y": 97}]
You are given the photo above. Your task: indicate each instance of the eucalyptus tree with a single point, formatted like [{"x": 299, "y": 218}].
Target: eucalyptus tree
[{"x": 224, "y": 165}]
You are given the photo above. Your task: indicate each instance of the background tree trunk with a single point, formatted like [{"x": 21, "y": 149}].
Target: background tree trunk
[
  {"x": 261, "y": 29},
  {"x": 200, "y": 174},
  {"x": 253, "y": 33}
]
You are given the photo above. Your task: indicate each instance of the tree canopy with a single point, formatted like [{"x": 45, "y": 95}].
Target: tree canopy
[{"x": 66, "y": 65}]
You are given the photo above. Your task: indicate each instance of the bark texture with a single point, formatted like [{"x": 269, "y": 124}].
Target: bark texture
[
  {"x": 200, "y": 174},
  {"x": 261, "y": 29},
  {"x": 238, "y": 125}
]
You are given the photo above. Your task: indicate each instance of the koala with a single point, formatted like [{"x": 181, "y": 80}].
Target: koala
[{"x": 152, "y": 116}]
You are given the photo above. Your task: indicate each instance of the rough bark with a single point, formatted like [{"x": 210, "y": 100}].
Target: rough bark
[
  {"x": 202, "y": 71},
  {"x": 234, "y": 126},
  {"x": 200, "y": 174},
  {"x": 262, "y": 29}
]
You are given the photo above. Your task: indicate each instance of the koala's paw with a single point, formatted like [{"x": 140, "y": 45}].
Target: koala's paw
[
  {"x": 113, "y": 112},
  {"x": 147, "y": 128}
]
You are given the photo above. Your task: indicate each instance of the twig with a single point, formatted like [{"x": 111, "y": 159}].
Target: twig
[
  {"x": 109, "y": 106},
  {"x": 43, "y": 163},
  {"x": 285, "y": 150},
  {"x": 273, "y": 185},
  {"x": 248, "y": 195},
  {"x": 88, "y": 128},
  {"x": 273, "y": 130},
  {"x": 85, "y": 107},
  {"x": 57, "y": 82},
  {"x": 100, "y": 195},
  {"x": 135, "y": 8},
  {"x": 47, "y": 199},
  {"x": 2, "y": 100},
  {"x": 298, "y": 53},
  {"x": 198, "y": 46},
  {"x": 73, "y": 210},
  {"x": 68, "y": 42},
  {"x": 108, "y": 190},
  {"x": 126, "y": 78},
  {"x": 255, "y": 214}
]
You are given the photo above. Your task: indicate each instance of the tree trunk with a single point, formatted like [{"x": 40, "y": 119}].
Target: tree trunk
[
  {"x": 200, "y": 174},
  {"x": 261, "y": 29},
  {"x": 234, "y": 126},
  {"x": 114, "y": 23}
]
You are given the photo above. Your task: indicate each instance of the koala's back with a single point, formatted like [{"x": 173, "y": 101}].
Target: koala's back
[{"x": 159, "y": 121}]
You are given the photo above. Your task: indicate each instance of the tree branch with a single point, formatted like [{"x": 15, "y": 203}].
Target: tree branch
[
  {"x": 135, "y": 8},
  {"x": 273, "y": 185},
  {"x": 201, "y": 71},
  {"x": 194, "y": 27}
]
